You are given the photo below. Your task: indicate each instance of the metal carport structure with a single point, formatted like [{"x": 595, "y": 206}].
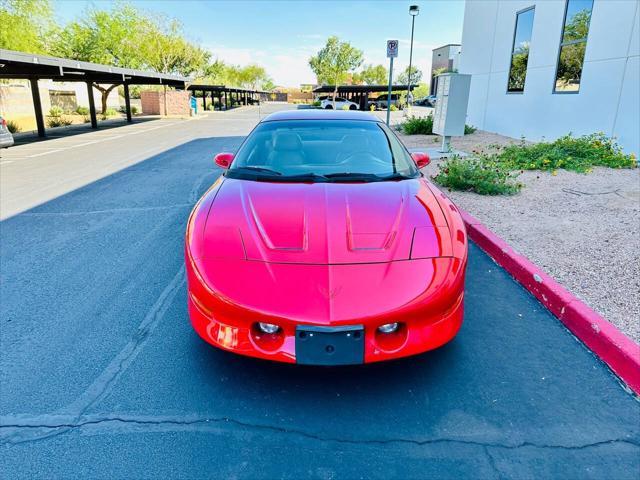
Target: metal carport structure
[
  {"x": 20, "y": 65},
  {"x": 360, "y": 93},
  {"x": 243, "y": 96}
]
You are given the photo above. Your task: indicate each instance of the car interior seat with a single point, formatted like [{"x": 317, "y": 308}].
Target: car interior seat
[{"x": 287, "y": 150}]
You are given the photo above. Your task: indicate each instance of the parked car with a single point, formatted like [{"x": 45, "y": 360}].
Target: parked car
[
  {"x": 340, "y": 103},
  {"x": 382, "y": 100},
  {"x": 422, "y": 102},
  {"x": 6, "y": 139},
  {"x": 323, "y": 243},
  {"x": 431, "y": 100}
]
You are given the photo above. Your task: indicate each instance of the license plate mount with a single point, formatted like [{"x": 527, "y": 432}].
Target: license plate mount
[{"x": 342, "y": 345}]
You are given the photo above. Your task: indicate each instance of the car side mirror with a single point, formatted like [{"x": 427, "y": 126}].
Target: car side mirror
[
  {"x": 223, "y": 160},
  {"x": 421, "y": 159}
]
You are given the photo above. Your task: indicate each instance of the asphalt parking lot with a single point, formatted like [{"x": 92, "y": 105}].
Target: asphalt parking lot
[{"x": 103, "y": 377}]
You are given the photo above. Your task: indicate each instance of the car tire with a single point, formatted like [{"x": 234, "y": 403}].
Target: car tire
[
  {"x": 328, "y": 107},
  {"x": 352, "y": 107}
]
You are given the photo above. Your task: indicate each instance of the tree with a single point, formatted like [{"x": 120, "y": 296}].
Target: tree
[
  {"x": 268, "y": 85},
  {"x": 252, "y": 76},
  {"x": 109, "y": 37},
  {"x": 25, "y": 25},
  {"x": 165, "y": 50},
  {"x": 374, "y": 75},
  {"x": 126, "y": 37},
  {"x": 333, "y": 63},
  {"x": 416, "y": 76}
]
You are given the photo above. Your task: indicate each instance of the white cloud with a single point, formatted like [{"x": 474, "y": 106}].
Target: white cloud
[{"x": 288, "y": 67}]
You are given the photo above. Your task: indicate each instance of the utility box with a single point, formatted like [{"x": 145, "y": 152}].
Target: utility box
[{"x": 452, "y": 98}]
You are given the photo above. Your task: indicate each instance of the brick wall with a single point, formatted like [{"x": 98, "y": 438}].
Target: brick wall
[{"x": 153, "y": 103}]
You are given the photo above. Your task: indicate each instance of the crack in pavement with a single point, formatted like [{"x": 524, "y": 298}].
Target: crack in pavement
[
  {"x": 103, "y": 383},
  {"x": 54, "y": 425}
]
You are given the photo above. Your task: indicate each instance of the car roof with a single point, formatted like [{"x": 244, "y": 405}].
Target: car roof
[{"x": 318, "y": 114}]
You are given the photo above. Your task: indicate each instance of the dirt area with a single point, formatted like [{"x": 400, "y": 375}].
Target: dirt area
[{"x": 583, "y": 230}]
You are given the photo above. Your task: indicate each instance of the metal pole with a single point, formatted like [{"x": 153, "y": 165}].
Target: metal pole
[
  {"x": 389, "y": 93},
  {"x": 413, "y": 21},
  {"x": 37, "y": 106},
  {"x": 127, "y": 102},
  {"x": 92, "y": 106}
]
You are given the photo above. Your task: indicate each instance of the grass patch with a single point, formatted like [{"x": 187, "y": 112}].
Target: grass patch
[
  {"x": 417, "y": 125},
  {"x": 424, "y": 126},
  {"x": 496, "y": 173},
  {"x": 578, "y": 154},
  {"x": 13, "y": 127},
  {"x": 58, "y": 121},
  {"x": 484, "y": 174}
]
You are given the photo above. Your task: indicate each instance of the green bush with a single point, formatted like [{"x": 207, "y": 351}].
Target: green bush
[
  {"x": 134, "y": 110},
  {"x": 56, "y": 111},
  {"x": 485, "y": 175},
  {"x": 317, "y": 103},
  {"x": 417, "y": 125},
  {"x": 110, "y": 112},
  {"x": 82, "y": 110},
  {"x": 58, "y": 121},
  {"x": 579, "y": 154},
  {"x": 13, "y": 126},
  {"x": 468, "y": 129},
  {"x": 393, "y": 108},
  {"x": 344, "y": 107}
]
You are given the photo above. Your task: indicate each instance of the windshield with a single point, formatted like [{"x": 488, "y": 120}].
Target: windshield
[{"x": 322, "y": 150}]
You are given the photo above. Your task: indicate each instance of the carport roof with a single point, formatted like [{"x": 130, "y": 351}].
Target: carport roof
[
  {"x": 221, "y": 88},
  {"x": 28, "y": 65},
  {"x": 361, "y": 88}
]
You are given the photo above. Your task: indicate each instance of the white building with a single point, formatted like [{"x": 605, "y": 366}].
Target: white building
[{"x": 544, "y": 68}]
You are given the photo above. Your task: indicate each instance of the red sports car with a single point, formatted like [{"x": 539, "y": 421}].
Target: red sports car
[{"x": 322, "y": 243}]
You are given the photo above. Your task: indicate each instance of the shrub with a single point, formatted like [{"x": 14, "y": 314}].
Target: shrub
[
  {"x": 417, "y": 125},
  {"x": 82, "y": 110},
  {"x": 485, "y": 175},
  {"x": 58, "y": 121},
  {"x": 13, "y": 126},
  {"x": 344, "y": 107},
  {"x": 568, "y": 152},
  {"x": 393, "y": 108},
  {"x": 110, "y": 112},
  {"x": 372, "y": 107},
  {"x": 468, "y": 129},
  {"x": 134, "y": 110},
  {"x": 56, "y": 111},
  {"x": 317, "y": 103}
]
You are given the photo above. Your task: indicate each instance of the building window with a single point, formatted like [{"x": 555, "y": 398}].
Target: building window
[
  {"x": 573, "y": 45},
  {"x": 520, "y": 50}
]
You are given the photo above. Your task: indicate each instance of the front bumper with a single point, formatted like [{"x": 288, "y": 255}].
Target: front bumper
[{"x": 416, "y": 335}]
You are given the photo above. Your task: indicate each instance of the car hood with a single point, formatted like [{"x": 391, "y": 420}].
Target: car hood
[{"x": 325, "y": 223}]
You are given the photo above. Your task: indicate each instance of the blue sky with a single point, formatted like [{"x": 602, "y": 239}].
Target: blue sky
[{"x": 282, "y": 35}]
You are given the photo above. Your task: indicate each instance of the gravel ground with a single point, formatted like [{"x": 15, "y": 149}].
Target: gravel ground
[{"x": 583, "y": 230}]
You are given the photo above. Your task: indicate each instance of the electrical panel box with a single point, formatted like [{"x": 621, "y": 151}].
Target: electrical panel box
[{"x": 452, "y": 98}]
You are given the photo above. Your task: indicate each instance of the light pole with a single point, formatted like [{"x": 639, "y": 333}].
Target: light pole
[{"x": 414, "y": 10}]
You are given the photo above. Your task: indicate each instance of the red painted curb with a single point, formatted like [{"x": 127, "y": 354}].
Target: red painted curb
[{"x": 612, "y": 346}]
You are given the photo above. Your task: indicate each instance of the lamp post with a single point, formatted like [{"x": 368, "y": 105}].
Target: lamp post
[{"x": 414, "y": 10}]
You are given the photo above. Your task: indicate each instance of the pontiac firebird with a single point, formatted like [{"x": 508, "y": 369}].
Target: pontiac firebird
[{"x": 322, "y": 243}]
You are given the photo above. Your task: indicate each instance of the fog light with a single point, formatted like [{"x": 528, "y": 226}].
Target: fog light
[
  {"x": 268, "y": 327},
  {"x": 388, "y": 327}
]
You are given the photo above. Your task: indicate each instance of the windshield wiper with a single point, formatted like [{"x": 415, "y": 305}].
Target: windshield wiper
[
  {"x": 253, "y": 169},
  {"x": 364, "y": 177}
]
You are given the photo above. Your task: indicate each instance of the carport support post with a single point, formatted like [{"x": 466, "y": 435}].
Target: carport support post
[
  {"x": 127, "y": 102},
  {"x": 37, "y": 106},
  {"x": 226, "y": 105},
  {"x": 92, "y": 106}
]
